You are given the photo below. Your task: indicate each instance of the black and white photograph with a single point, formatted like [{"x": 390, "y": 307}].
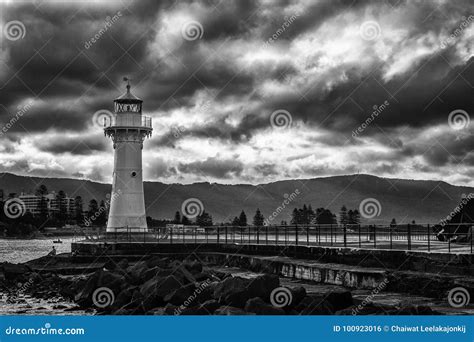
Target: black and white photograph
[{"x": 237, "y": 158}]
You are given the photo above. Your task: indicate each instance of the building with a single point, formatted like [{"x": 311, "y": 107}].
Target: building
[
  {"x": 128, "y": 129},
  {"x": 32, "y": 203}
]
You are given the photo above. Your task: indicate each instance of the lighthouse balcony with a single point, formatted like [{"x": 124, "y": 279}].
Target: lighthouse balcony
[{"x": 128, "y": 121}]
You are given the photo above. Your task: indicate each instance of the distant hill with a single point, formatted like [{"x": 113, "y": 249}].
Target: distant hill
[{"x": 404, "y": 200}]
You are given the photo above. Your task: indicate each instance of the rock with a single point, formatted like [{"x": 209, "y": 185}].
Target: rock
[
  {"x": 136, "y": 272},
  {"x": 124, "y": 297},
  {"x": 180, "y": 296},
  {"x": 195, "y": 267},
  {"x": 314, "y": 305},
  {"x": 235, "y": 291},
  {"x": 297, "y": 294},
  {"x": 158, "y": 287},
  {"x": 156, "y": 261},
  {"x": 230, "y": 311},
  {"x": 340, "y": 300},
  {"x": 258, "y": 306},
  {"x": 229, "y": 288},
  {"x": 12, "y": 271}
]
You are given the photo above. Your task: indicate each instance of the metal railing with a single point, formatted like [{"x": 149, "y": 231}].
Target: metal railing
[
  {"x": 450, "y": 238},
  {"x": 128, "y": 120}
]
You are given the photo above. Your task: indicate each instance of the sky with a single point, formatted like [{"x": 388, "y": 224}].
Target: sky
[{"x": 241, "y": 91}]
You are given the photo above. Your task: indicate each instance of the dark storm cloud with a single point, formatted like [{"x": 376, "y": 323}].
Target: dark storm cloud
[
  {"x": 77, "y": 145},
  {"x": 68, "y": 77}
]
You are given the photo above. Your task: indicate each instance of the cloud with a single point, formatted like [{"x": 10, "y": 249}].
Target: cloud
[{"x": 211, "y": 98}]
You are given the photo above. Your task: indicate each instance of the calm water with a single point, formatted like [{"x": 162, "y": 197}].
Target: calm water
[{"x": 17, "y": 251}]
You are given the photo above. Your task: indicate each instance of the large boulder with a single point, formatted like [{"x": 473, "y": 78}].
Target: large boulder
[
  {"x": 12, "y": 271},
  {"x": 314, "y": 305},
  {"x": 158, "y": 287},
  {"x": 136, "y": 272},
  {"x": 340, "y": 299},
  {"x": 297, "y": 295},
  {"x": 258, "y": 306},
  {"x": 235, "y": 291},
  {"x": 181, "y": 295}
]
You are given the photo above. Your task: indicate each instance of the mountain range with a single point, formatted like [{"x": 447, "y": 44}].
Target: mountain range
[{"x": 402, "y": 199}]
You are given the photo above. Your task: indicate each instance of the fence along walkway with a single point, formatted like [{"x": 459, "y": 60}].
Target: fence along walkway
[{"x": 449, "y": 239}]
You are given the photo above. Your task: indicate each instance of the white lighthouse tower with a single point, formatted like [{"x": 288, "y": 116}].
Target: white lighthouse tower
[{"x": 127, "y": 128}]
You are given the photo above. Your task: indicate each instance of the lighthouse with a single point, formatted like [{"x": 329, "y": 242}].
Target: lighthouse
[{"x": 128, "y": 128}]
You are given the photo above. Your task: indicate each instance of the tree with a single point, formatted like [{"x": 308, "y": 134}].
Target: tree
[
  {"x": 243, "y": 219},
  {"x": 258, "y": 218},
  {"x": 185, "y": 220},
  {"x": 43, "y": 214},
  {"x": 177, "y": 217},
  {"x": 93, "y": 208},
  {"x": 61, "y": 214},
  {"x": 235, "y": 221},
  {"x": 393, "y": 224},
  {"x": 204, "y": 220},
  {"x": 78, "y": 208},
  {"x": 102, "y": 218},
  {"x": 355, "y": 217},
  {"x": 41, "y": 190},
  {"x": 343, "y": 216}
]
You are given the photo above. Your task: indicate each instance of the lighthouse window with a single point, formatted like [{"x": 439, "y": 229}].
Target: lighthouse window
[{"x": 133, "y": 174}]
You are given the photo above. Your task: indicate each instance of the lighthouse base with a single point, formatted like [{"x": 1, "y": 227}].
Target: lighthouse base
[{"x": 129, "y": 230}]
